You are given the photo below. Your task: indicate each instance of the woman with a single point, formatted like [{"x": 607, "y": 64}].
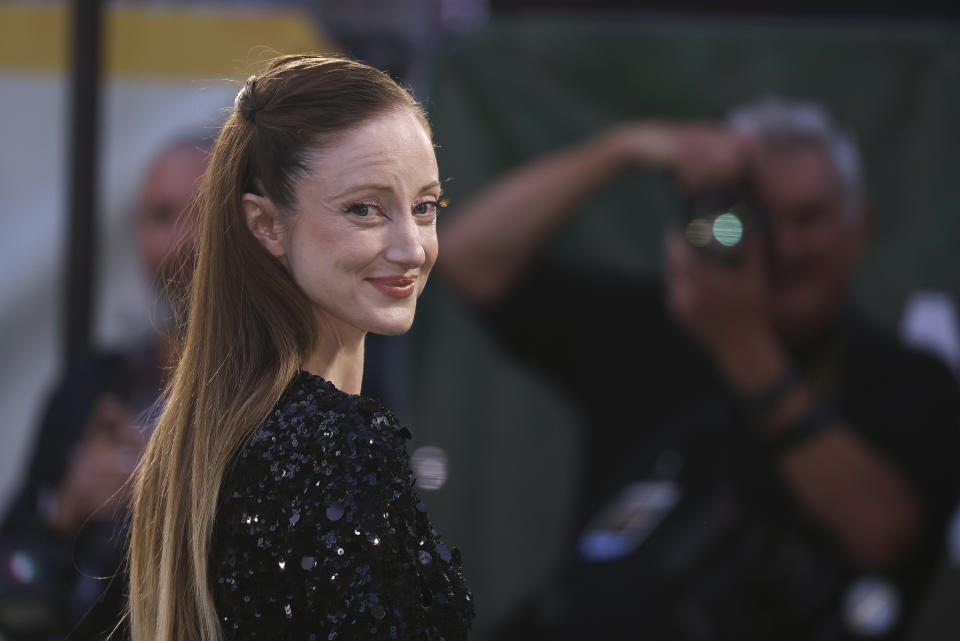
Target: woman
[{"x": 273, "y": 501}]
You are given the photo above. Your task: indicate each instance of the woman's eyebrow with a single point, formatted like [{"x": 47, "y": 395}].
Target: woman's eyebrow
[
  {"x": 382, "y": 187},
  {"x": 364, "y": 187}
]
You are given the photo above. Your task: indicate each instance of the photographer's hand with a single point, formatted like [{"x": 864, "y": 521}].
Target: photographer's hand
[
  {"x": 493, "y": 236},
  {"x": 700, "y": 156},
  {"x": 838, "y": 477},
  {"x": 94, "y": 483},
  {"x": 725, "y": 309}
]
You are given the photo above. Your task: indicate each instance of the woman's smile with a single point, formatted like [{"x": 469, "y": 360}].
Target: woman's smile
[{"x": 395, "y": 286}]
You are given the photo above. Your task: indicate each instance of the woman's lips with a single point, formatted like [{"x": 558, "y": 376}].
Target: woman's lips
[{"x": 395, "y": 286}]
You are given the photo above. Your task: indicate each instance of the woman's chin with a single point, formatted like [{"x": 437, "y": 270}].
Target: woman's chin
[{"x": 393, "y": 326}]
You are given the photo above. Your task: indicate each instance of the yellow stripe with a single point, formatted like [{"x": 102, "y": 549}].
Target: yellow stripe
[
  {"x": 159, "y": 42},
  {"x": 32, "y": 38}
]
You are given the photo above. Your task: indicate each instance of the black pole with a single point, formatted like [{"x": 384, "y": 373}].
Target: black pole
[{"x": 82, "y": 227}]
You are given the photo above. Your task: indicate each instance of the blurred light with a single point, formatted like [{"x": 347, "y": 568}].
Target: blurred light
[
  {"x": 429, "y": 467},
  {"x": 728, "y": 229},
  {"x": 22, "y": 567},
  {"x": 698, "y": 232},
  {"x": 930, "y": 323},
  {"x": 953, "y": 541},
  {"x": 871, "y": 607},
  {"x": 626, "y": 522},
  {"x": 461, "y": 15}
]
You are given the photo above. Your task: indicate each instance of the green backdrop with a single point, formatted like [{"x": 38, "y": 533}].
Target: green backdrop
[{"x": 524, "y": 87}]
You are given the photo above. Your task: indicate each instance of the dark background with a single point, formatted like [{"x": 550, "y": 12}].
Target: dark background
[{"x": 532, "y": 82}]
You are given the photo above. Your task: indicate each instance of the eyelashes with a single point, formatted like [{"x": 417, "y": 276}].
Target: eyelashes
[
  {"x": 358, "y": 209},
  {"x": 423, "y": 208},
  {"x": 432, "y": 206}
]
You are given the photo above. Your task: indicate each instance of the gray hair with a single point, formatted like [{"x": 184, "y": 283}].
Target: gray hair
[{"x": 778, "y": 118}]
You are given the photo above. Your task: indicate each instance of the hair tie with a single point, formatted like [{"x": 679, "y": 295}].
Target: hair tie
[{"x": 250, "y": 111}]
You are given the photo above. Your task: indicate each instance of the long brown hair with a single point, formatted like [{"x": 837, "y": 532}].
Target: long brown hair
[{"x": 250, "y": 327}]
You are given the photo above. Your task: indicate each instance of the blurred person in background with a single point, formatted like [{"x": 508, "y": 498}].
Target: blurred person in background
[
  {"x": 759, "y": 461},
  {"x": 61, "y": 537}
]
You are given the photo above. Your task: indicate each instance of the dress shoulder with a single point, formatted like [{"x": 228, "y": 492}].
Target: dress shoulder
[{"x": 319, "y": 533}]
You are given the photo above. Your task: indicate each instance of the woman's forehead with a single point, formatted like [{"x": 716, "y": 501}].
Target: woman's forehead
[{"x": 393, "y": 150}]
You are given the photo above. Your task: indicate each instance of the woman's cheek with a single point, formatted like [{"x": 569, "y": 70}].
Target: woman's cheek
[{"x": 431, "y": 248}]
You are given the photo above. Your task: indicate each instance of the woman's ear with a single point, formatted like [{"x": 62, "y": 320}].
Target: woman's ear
[{"x": 263, "y": 219}]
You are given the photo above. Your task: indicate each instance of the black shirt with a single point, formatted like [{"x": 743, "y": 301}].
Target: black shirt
[
  {"x": 319, "y": 534},
  {"x": 685, "y": 529}
]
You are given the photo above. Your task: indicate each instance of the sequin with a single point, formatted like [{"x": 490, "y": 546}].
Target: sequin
[
  {"x": 326, "y": 480},
  {"x": 444, "y": 552}
]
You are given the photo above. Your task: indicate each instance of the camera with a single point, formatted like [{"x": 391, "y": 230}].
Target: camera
[{"x": 718, "y": 222}]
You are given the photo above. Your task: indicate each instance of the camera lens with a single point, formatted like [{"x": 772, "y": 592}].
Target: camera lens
[
  {"x": 718, "y": 222},
  {"x": 728, "y": 229}
]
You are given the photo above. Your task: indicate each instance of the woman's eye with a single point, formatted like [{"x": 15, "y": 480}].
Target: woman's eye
[
  {"x": 427, "y": 207},
  {"x": 360, "y": 209},
  {"x": 430, "y": 206}
]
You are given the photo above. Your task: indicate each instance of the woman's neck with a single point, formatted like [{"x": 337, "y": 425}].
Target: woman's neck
[{"x": 338, "y": 356}]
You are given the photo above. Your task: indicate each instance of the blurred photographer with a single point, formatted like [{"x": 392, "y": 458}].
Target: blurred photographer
[
  {"x": 62, "y": 540},
  {"x": 759, "y": 461}
]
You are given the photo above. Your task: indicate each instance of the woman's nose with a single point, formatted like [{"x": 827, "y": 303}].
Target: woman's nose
[{"x": 406, "y": 244}]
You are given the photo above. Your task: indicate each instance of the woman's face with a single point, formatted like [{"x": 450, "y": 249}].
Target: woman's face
[{"x": 363, "y": 236}]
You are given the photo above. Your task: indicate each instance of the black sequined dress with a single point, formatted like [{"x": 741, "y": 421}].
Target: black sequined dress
[{"x": 319, "y": 534}]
